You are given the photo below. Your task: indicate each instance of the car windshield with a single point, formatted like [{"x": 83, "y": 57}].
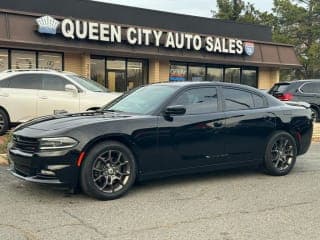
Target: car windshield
[
  {"x": 144, "y": 100},
  {"x": 88, "y": 84}
]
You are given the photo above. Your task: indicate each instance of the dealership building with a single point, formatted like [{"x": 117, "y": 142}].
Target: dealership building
[{"x": 123, "y": 47}]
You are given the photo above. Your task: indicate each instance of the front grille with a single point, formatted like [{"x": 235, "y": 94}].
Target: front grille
[{"x": 25, "y": 144}]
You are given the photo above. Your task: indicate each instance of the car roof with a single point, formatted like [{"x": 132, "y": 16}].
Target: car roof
[
  {"x": 298, "y": 81},
  {"x": 181, "y": 84},
  {"x": 14, "y": 72}
]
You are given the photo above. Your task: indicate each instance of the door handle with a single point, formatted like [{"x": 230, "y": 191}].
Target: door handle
[
  {"x": 43, "y": 97},
  {"x": 4, "y": 95}
]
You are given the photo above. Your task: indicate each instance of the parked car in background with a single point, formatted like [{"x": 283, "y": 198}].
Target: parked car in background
[
  {"x": 26, "y": 94},
  {"x": 161, "y": 130},
  {"x": 300, "y": 91}
]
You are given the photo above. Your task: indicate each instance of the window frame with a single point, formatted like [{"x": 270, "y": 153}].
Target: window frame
[
  {"x": 185, "y": 89},
  {"x": 20, "y": 75},
  {"x": 265, "y": 105},
  {"x": 43, "y": 75},
  {"x": 303, "y": 85}
]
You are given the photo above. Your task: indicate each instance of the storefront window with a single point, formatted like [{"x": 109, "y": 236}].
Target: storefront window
[
  {"x": 116, "y": 74},
  {"x": 98, "y": 71},
  {"x": 3, "y": 60},
  {"x": 48, "y": 60},
  {"x": 214, "y": 74},
  {"x": 23, "y": 59},
  {"x": 135, "y": 77},
  {"x": 249, "y": 77},
  {"x": 232, "y": 75},
  {"x": 196, "y": 73},
  {"x": 178, "y": 72},
  {"x": 119, "y": 74}
]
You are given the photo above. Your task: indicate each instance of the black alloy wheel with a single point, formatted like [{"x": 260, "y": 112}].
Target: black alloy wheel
[
  {"x": 108, "y": 171},
  {"x": 280, "y": 155},
  {"x": 4, "y": 122}
]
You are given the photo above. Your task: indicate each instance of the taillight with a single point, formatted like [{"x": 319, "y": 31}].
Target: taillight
[{"x": 285, "y": 96}]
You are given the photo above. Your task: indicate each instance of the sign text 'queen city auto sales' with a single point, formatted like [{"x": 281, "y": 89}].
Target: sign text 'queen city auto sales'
[{"x": 111, "y": 33}]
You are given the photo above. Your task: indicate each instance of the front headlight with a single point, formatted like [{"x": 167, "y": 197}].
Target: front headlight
[{"x": 58, "y": 143}]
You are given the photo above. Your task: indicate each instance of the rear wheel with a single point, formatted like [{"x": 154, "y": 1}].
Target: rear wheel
[
  {"x": 4, "y": 122},
  {"x": 109, "y": 171},
  {"x": 280, "y": 155}
]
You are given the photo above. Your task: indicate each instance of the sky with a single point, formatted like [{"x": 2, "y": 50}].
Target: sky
[{"x": 191, "y": 7}]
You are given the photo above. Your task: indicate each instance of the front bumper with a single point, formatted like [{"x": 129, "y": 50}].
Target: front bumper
[{"x": 47, "y": 168}]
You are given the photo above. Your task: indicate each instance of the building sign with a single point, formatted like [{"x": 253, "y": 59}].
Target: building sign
[{"x": 110, "y": 33}]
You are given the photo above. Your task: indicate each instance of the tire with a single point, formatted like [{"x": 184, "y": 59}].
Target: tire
[
  {"x": 316, "y": 114},
  {"x": 4, "y": 122},
  {"x": 280, "y": 155},
  {"x": 108, "y": 171}
]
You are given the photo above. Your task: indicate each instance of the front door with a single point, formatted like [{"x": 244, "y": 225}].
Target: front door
[
  {"x": 53, "y": 98},
  {"x": 195, "y": 139},
  {"x": 117, "y": 80}
]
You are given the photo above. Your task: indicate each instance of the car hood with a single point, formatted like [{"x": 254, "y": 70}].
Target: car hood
[{"x": 65, "y": 121}]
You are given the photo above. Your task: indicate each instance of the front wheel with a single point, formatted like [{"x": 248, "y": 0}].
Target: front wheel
[
  {"x": 108, "y": 171},
  {"x": 280, "y": 155}
]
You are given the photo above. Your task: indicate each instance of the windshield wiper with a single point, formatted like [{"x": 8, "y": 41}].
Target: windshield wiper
[{"x": 111, "y": 110}]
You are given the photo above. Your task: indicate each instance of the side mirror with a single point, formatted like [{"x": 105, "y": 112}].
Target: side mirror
[
  {"x": 71, "y": 88},
  {"x": 175, "y": 110}
]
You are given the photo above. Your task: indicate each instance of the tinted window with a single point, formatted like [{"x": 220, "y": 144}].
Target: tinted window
[
  {"x": 200, "y": 100},
  {"x": 26, "y": 81},
  {"x": 311, "y": 87},
  {"x": 54, "y": 83},
  {"x": 280, "y": 88},
  {"x": 237, "y": 99},
  {"x": 4, "y": 83},
  {"x": 258, "y": 101}
]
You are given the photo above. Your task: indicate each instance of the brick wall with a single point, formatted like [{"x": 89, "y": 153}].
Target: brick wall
[
  {"x": 77, "y": 63},
  {"x": 268, "y": 77}
]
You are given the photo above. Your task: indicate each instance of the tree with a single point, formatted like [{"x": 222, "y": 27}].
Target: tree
[
  {"x": 236, "y": 10},
  {"x": 295, "y": 22}
]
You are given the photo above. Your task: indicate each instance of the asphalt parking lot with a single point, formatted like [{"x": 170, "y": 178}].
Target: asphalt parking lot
[{"x": 237, "y": 204}]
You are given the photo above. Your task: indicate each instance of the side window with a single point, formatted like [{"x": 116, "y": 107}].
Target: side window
[
  {"x": 199, "y": 100},
  {"x": 26, "y": 81},
  {"x": 258, "y": 101},
  {"x": 236, "y": 99},
  {"x": 4, "y": 83},
  {"x": 312, "y": 87},
  {"x": 54, "y": 83}
]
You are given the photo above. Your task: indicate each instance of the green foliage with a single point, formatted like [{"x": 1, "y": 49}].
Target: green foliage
[{"x": 295, "y": 22}]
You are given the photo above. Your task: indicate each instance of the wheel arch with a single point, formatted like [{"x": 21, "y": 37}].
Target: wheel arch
[
  {"x": 6, "y": 112},
  {"x": 121, "y": 138}
]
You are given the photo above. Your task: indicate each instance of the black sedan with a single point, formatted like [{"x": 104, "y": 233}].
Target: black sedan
[{"x": 160, "y": 130}]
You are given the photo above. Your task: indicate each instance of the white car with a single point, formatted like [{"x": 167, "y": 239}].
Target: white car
[{"x": 26, "y": 94}]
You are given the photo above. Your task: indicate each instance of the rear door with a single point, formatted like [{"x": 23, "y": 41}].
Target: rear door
[
  {"x": 195, "y": 139},
  {"x": 53, "y": 97},
  {"x": 310, "y": 92},
  {"x": 19, "y": 96},
  {"x": 248, "y": 124}
]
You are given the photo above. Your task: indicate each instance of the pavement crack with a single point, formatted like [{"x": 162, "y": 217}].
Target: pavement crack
[
  {"x": 83, "y": 223},
  {"x": 27, "y": 234},
  {"x": 213, "y": 217}
]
